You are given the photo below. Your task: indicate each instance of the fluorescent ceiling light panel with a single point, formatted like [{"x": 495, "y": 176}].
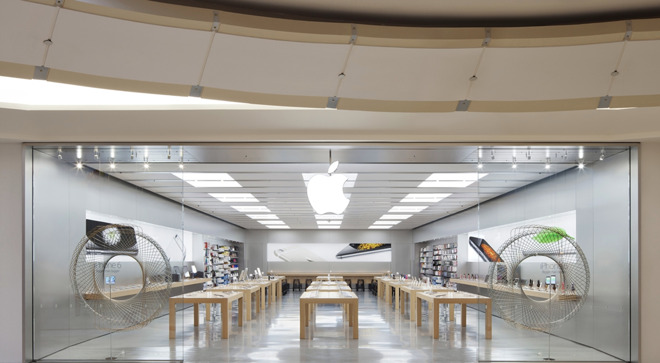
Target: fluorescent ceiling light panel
[
  {"x": 424, "y": 198},
  {"x": 271, "y": 222},
  {"x": 235, "y": 197},
  {"x": 251, "y": 208},
  {"x": 379, "y": 227},
  {"x": 391, "y": 223},
  {"x": 277, "y": 226},
  {"x": 320, "y": 223},
  {"x": 208, "y": 180},
  {"x": 329, "y": 227},
  {"x": 329, "y": 216},
  {"x": 263, "y": 216},
  {"x": 350, "y": 178},
  {"x": 407, "y": 209},
  {"x": 396, "y": 216},
  {"x": 451, "y": 180}
]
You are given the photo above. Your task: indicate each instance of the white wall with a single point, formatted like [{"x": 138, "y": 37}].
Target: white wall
[
  {"x": 256, "y": 241},
  {"x": 11, "y": 258}
]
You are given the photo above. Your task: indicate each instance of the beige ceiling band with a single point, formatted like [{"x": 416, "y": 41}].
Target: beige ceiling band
[
  {"x": 16, "y": 70},
  {"x": 87, "y": 80},
  {"x": 395, "y": 106},
  {"x": 574, "y": 104},
  {"x": 264, "y": 98}
]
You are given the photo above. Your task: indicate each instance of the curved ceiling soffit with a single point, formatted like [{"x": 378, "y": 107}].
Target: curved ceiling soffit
[{"x": 300, "y": 31}]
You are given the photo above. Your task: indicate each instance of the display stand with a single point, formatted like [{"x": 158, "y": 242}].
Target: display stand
[{"x": 221, "y": 263}]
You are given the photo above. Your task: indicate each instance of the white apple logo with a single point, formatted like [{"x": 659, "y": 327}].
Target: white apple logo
[{"x": 326, "y": 192}]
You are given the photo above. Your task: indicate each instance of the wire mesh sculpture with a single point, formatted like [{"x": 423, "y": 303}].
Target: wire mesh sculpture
[
  {"x": 527, "y": 310},
  {"x": 137, "y": 307}
]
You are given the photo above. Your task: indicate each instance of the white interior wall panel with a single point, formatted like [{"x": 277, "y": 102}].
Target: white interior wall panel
[
  {"x": 408, "y": 74},
  {"x": 117, "y": 48},
  {"x": 272, "y": 66},
  {"x": 639, "y": 71},
  {"x": 548, "y": 73},
  {"x": 23, "y": 28}
]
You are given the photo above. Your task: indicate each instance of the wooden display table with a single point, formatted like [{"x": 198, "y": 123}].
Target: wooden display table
[
  {"x": 310, "y": 298},
  {"x": 411, "y": 291},
  {"x": 535, "y": 292},
  {"x": 328, "y": 283},
  {"x": 331, "y": 278},
  {"x": 451, "y": 298},
  {"x": 329, "y": 287},
  {"x": 131, "y": 290},
  {"x": 247, "y": 291},
  {"x": 208, "y": 297},
  {"x": 263, "y": 284}
]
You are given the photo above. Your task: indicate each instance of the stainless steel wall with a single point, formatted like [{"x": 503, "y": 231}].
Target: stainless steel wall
[
  {"x": 600, "y": 194},
  {"x": 62, "y": 195}
]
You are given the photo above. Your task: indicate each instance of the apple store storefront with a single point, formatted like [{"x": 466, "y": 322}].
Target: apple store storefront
[{"x": 353, "y": 252}]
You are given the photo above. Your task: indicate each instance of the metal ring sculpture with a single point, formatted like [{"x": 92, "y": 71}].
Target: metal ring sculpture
[
  {"x": 87, "y": 272},
  {"x": 511, "y": 301}
]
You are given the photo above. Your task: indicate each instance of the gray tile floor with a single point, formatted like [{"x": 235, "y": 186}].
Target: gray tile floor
[{"x": 385, "y": 336}]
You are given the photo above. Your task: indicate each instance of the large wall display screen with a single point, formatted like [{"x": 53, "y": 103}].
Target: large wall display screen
[{"x": 329, "y": 252}]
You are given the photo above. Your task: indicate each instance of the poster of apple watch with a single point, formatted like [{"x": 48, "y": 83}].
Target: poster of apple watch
[{"x": 329, "y": 252}]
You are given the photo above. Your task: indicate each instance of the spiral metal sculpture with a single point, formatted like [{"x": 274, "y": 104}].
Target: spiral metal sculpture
[
  {"x": 87, "y": 272},
  {"x": 513, "y": 304}
]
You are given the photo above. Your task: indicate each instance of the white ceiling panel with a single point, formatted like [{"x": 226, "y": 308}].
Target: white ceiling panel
[
  {"x": 271, "y": 66},
  {"x": 639, "y": 71},
  {"x": 408, "y": 74},
  {"x": 122, "y": 49},
  {"x": 545, "y": 73},
  {"x": 23, "y": 28}
]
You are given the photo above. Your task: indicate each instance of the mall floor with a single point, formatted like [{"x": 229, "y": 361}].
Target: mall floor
[{"x": 384, "y": 336}]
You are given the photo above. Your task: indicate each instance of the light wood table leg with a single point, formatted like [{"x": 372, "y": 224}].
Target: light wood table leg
[
  {"x": 256, "y": 303},
  {"x": 413, "y": 305},
  {"x": 419, "y": 311},
  {"x": 196, "y": 312},
  {"x": 225, "y": 319},
  {"x": 263, "y": 297},
  {"x": 451, "y": 312},
  {"x": 240, "y": 309},
  {"x": 273, "y": 289},
  {"x": 172, "y": 320},
  {"x": 463, "y": 315},
  {"x": 388, "y": 294},
  {"x": 208, "y": 311},
  {"x": 436, "y": 320},
  {"x": 402, "y": 304},
  {"x": 303, "y": 320},
  {"x": 248, "y": 306},
  {"x": 354, "y": 312},
  {"x": 349, "y": 313},
  {"x": 396, "y": 298},
  {"x": 489, "y": 320}
]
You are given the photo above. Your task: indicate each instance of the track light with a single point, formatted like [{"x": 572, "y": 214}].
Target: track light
[
  {"x": 602, "y": 155},
  {"x": 581, "y": 164},
  {"x": 547, "y": 163},
  {"x": 78, "y": 152},
  {"x": 181, "y": 166},
  {"x": 169, "y": 152},
  {"x": 146, "y": 165},
  {"x": 480, "y": 165},
  {"x": 132, "y": 153},
  {"x": 514, "y": 165},
  {"x": 79, "y": 164},
  {"x": 96, "y": 152},
  {"x": 112, "y": 165},
  {"x": 59, "y": 153}
]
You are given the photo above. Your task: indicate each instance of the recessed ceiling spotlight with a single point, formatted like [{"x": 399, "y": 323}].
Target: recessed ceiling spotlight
[
  {"x": 391, "y": 223},
  {"x": 271, "y": 222},
  {"x": 480, "y": 165},
  {"x": 329, "y": 216},
  {"x": 235, "y": 197},
  {"x": 514, "y": 166},
  {"x": 424, "y": 197},
  {"x": 581, "y": 164},
  {"x": 79, "y": 164},
  {"x": 251, "y": 208},
  {"x": 181, "y": 166},
  {"x": 112, "y": 165},
  {"x": 263, "y": 216},
  {"x": 146, "y": 165},
  {"x": 396, "y": 216},
  {"x": 407, "y": 209},
  {"x": 326, "y": 223}
]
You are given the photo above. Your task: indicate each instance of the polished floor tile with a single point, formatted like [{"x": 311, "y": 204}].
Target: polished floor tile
[{"x": 385, "y": 336}]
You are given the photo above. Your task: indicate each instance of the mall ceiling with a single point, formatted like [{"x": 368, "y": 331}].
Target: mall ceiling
[{"x": 381, "y": 176}]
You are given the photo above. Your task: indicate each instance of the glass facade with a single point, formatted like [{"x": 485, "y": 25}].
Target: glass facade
[{"x": 541, "y": 233}]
